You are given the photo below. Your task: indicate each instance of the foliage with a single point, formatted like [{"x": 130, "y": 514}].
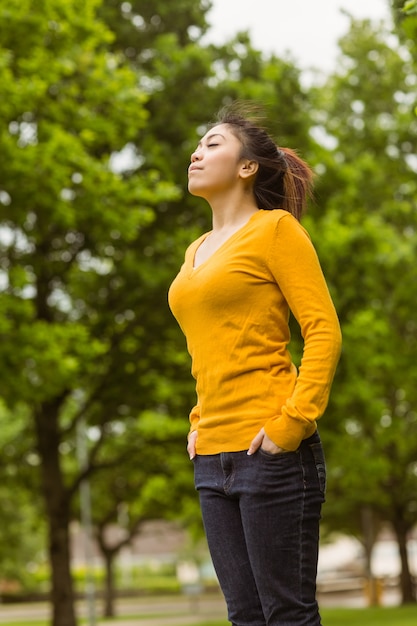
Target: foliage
[
  {"x": 410, "y": 7},
  {"x": 69, "y": 230},
  {"x": 367, "y": 240},
  {"x": 22, "y": 530},
  {"x": 105, "y": 103},
  {"x": 405, "y": 19}
]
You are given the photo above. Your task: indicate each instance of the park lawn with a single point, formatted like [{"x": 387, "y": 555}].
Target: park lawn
[
  {"x": 378, "y": 616},
  {"x": 384, "y": 616}
]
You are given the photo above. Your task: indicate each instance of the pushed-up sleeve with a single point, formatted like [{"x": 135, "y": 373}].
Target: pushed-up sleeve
[
  {"x": 194, "y": 417},
  {"x": 294, "y": 264}
]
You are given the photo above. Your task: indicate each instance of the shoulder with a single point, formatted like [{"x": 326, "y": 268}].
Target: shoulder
[{"x": 281, "y": 223}]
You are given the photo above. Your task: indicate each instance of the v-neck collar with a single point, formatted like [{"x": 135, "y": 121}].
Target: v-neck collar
[{"x": 224, "y": 245}]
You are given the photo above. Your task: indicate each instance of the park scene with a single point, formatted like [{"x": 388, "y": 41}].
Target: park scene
[{"x": 102, "y": 103}]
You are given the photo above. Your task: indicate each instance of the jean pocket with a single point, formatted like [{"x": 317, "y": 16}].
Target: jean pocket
[
  {"x": 320, "y": 463},
  {"x": 275, "y": 455}
]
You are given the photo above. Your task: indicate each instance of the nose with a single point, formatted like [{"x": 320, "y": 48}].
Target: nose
[{"x": 195, "y": 155}]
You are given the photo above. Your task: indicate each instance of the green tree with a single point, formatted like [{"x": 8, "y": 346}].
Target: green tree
[
  {"x": 367, "y": 239},
  {"x": 22, "y": 529},
  {"x": 69, "y": 222}
]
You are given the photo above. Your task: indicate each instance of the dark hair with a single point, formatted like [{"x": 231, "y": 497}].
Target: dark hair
[{"x": 283, "y": 179}]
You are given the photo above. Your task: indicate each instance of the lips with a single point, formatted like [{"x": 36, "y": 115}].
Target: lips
[{"x": 193, "y": 168}]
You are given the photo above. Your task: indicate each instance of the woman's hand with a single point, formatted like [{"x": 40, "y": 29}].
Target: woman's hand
[
  {"x": 262, "y": 440},
  {"x": 192, "y": 439}
]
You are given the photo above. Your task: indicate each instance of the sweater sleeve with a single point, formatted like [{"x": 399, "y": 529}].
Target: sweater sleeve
[
  {"x": 194, "y": 417},
  {"x": 294, "y": 265}
]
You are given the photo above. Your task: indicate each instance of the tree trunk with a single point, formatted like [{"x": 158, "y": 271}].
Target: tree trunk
[
  {"x": 369, "y": 537},
  {"x": 57, "y": 508},
  {"x": 109, "y": 593},
  {"x": 408, "y": 591}
]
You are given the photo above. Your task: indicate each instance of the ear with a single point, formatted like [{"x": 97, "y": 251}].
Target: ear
[{"x": 248, "y": 168}]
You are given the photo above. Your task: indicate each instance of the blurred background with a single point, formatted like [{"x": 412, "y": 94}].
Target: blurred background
[{"x": 101, "y": 105}]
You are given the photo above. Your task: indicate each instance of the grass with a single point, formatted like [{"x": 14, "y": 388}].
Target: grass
[
  {"x": 386, "y": 616},
  {"x": 381, "y": 616},
  {"x": 389, "y": 616}
]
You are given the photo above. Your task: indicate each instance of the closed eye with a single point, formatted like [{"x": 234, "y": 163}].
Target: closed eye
[{"x": 211, "y": 145}]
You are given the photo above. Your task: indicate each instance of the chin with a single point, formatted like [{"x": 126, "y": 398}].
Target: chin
[{"x": 195, "y": 191}]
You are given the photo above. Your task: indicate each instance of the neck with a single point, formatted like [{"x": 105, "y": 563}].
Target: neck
[{"x": 232, "y": 211}]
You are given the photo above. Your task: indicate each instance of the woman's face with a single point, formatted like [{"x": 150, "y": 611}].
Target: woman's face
[{"x": 216, "y": 163}]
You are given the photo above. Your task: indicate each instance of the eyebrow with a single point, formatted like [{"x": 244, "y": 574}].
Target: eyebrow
[{"x": 209, "y": 137}]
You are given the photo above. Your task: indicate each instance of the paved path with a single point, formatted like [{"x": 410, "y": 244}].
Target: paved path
[
  {"x": 159, "y": 611},
  {"x": 168, "y": 610}
]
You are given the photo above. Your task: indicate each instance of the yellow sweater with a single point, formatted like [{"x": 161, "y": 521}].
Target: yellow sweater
[{"x": 234, "y": 311}]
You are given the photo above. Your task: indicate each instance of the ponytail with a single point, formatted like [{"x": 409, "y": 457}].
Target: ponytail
[{"x": 297, "y": 183}]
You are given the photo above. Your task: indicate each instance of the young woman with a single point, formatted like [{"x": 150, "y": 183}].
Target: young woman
[{"x": 258, "y": 461}]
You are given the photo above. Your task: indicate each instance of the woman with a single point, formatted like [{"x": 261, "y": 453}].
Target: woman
[{"x": 258, "y": 461}]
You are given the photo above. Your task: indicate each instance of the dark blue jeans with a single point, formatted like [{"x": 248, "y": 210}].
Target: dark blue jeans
[{"x": 261, "y": 515}]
